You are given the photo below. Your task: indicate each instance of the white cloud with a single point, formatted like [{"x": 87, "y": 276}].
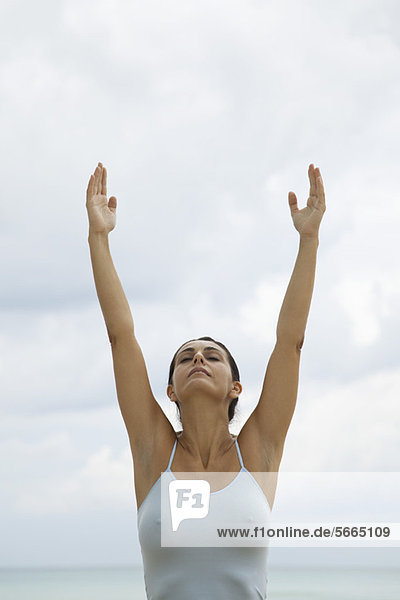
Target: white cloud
[
  {"x": 350, "y": 427},
  {"x": 30, "y": 81},
  {"x": 359, "y": 301},
  {"x": 61, "y": 359},
  {"x": 367, "y": 302},
  {"x": 260, "y": 314},
  {"x": 103, "y": 482}
]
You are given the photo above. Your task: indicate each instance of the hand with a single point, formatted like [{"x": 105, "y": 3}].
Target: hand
[
  {"x": 308, "y": 219},
  {"x": 102, "y": 214}
]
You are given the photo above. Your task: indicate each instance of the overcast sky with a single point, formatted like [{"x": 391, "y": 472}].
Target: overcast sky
[{"x": 206, "y": 114}]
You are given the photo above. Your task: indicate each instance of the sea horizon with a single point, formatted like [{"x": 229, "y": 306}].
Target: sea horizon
[{"x": 126, "y": 582}]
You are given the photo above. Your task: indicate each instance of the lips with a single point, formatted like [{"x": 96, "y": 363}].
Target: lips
[{"x": 198, "y": 369}]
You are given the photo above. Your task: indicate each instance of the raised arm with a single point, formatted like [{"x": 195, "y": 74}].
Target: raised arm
[
  {"x": 143, "y": 417},
  {"x": 270, "y": 420}
]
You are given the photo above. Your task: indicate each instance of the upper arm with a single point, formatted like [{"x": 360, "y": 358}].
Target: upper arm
[
  {"x": 144, "y": 419},
  {"x": 271, "y": 418}
]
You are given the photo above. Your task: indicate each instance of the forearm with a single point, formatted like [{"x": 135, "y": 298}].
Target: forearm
[
  {"x": 296, "y": 304},
  {"x": 113, "y": 302}
]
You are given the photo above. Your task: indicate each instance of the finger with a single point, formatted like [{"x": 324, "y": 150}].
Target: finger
[
  {"x": 94, "y": 180},
  {"x": 89, "y": 189},
  {"x": 313, "y": 183},
  {"x": 320, "y": 186},
  {"x": 97, "y": 175},
  {"x": 112, "y": 203},
  {"x": 292, "y": 202},
  {"x": 104, "y": 182}
]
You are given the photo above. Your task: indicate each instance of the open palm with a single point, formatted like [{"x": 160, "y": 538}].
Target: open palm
[
  {"x": 102, "y": 213},
  {"x": 308, "y": 219}
]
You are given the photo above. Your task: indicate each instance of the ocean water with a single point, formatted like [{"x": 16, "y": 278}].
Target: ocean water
[{"x": 127, "y": 584}]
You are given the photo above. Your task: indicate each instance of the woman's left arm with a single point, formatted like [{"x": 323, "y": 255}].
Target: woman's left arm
[{"x": 271, "y": 418}]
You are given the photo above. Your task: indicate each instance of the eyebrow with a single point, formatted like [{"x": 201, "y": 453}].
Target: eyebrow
[{"x": 192, "y": 350}]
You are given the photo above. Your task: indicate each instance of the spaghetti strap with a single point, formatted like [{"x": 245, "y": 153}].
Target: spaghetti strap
[
  {"x": 239, "y": 455},
  {"x": 172, "y": 455}
]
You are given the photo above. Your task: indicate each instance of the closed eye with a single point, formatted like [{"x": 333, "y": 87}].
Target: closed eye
[{"x": 211, "y": 358}]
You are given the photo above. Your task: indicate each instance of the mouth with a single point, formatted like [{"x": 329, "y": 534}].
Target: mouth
[{"x": 198, "y": 371}]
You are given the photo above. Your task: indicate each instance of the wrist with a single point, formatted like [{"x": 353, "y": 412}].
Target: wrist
[
  {"x": 97, "y": 235},
  {"x": 309, "y": 239}
]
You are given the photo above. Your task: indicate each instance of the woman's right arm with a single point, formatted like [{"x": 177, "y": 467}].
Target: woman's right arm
[{"x": 144, "y": 419}]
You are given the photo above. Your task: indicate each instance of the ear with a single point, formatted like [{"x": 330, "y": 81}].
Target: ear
[
  {"x": 171, "y": 393},
  {"x": 236, "y": 389}
]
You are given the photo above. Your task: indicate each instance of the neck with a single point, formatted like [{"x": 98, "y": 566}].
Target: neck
[{"x": 206, "y": 440}]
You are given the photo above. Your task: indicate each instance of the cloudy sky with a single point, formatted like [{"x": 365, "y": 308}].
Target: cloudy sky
[{"x": 205, "y": 113}]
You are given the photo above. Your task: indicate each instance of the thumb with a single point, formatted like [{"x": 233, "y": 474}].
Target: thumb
[
  {"x": 292, "y": 202},
  {"x": 112, "y": 203}
]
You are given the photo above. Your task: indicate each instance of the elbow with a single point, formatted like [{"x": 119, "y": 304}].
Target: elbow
[
  {"x": 290, "y": 341},
  {"x": 110, "y": 336}
]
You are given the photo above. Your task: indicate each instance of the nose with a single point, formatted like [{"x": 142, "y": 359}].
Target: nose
[{"x": 198, "y": 357}]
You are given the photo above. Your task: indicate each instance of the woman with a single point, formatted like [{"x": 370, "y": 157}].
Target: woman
[{"x": 204, "y": 384}]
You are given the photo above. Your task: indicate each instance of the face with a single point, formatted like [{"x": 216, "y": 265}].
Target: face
[{"x": 216, "y": 377}]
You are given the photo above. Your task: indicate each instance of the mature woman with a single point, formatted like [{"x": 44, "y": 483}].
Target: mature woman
[{"x": 204, "y": 384}]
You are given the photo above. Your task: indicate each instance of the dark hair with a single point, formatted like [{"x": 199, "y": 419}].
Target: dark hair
[{"x": 232, "y": 363}]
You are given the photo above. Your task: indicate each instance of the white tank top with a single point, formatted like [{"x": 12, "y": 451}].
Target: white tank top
[{"x": 203, "y": 573}]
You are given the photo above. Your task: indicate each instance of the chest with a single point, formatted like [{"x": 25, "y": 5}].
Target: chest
[
  {"x": 253, "y": 458},
  {"x": 241, "y": 504},
  {"x": 220, "y": 473}
]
